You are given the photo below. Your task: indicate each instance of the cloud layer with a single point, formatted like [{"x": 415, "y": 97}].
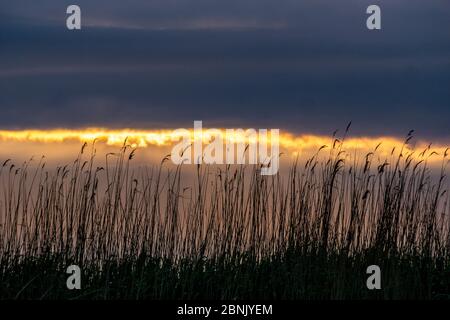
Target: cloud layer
[{"x": 303, "y": 66}]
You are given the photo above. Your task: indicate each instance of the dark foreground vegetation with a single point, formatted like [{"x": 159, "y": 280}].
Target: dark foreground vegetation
[{"x": 228, "y": 232}]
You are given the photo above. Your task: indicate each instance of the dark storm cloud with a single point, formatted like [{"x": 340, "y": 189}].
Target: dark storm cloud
[{"x": 298, "y": 65}]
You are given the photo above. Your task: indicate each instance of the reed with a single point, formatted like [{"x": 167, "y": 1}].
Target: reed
[{"x": 228, "y": 233}]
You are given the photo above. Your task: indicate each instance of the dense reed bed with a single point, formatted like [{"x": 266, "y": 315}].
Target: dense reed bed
[{"x": 226, "y": 232}]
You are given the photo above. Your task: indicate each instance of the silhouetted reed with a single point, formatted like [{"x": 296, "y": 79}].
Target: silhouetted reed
[{"x": 228, "y": 232}]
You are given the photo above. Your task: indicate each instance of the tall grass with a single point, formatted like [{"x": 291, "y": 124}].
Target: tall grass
[{"x": 228, "y": 232}]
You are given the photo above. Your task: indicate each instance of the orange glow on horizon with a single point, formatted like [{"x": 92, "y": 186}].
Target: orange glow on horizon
[{"x": 293, "y": 144}]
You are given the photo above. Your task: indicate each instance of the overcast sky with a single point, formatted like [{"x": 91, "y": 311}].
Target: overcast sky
[{"x": 303, "y": 66}]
